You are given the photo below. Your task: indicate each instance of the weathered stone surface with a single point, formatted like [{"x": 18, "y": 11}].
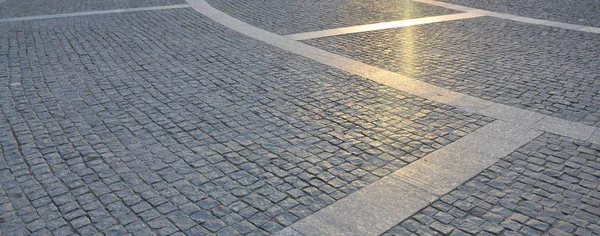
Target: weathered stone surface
[
  {"x": 163, "y": 122},
  {"x": 538, "y": 68},
  {"x": 530, "y": 202}
]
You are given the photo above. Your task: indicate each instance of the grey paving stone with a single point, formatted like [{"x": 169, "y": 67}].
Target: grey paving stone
[
  {"x": 507, "y": 62},
  {"x": 287, "y": 17},
  {"x": 580, "y": 12},
  {"x": 12, "y": 8},
  {"x": 528, "y": 216},
  {"x": 163, "y": 122}
]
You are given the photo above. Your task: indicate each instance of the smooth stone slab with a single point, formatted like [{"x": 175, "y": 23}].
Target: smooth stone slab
[
  {"x": 595, "y": 138},
  {"x": 448, "y": 167},
  {"x": 369, "y": 211},
  {"x": 397, "y": 196},
  {"x": 390, "y": 200},
  {"x": 381, "y": 26},
  {"x": 523, "y": 19},
  {"x": 511, "y": 114},
  {"x": 565, "y": 128},
  {"x": 288, "y": 231},
  {"x": 449, "y": 171},
  {"x": 547, "y": 23},
  {"x": 508, "y": 131},
  {"x": 590, "y": 29},
  {"x": 88, "y": 13},
  {"x": 394, "y": 80}
]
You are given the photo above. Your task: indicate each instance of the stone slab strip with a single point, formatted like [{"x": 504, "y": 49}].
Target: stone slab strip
[
  {"x": 528, "y": 20},
  {"x": 87, "y": 13},
  {"x": 381, "y": 26},
  {"x": 595, "y": 137},
  {"x": 385, "y": 203},
  {"x": 498, "y": 111}
]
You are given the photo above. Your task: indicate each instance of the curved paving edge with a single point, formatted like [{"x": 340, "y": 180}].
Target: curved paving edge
[
  {"x": 390, "y": 200},
  {"x": 382, "y": 204},
  {"x": 386, "y": 202},
  {"x": 89, "y": 13},
  {"x": 506, "y": 16},
  {"x": 513, "y": 115}
]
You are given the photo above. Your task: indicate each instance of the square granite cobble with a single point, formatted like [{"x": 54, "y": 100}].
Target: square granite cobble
[
  {"x": 165, "y": 123},
  {"x": 298, "y": 16},
  {"x": 583, "y": 12},
  {"x": 543, "y": 69},
  {"x": 547, "y": 187},
  {"x": 17, "y": 8}
]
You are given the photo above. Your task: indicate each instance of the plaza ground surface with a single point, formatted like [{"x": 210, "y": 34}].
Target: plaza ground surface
[{"x": 229, "y": 117}]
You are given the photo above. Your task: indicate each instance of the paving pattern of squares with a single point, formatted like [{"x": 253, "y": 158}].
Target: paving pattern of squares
[
  {"x": 548, "y": 187},
  {"x": 163, "y": 122},
  {"x": 18, "y": 8},
  {"x": 583, "y": 12},
  {"x": 543, "y": 69},
  {"x": 297, "y": 16}
]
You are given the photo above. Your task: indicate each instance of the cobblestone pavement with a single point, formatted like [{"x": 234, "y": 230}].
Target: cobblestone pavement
[
  {"x": 549, "y": 186},
  {"x": 18, "y": 8},
  {"x": 297, "y": 16},
  {"x": 543, "y": 69},
  {"x": 584, "y": 12},
  {"x": 162, "y": 122}
]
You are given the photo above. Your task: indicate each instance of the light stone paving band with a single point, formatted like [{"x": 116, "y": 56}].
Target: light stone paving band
[
  {"x": 404, "y": 83},
  {"x": 385, "y": 203},
  {"x": 87, "y": 13},
  {"x": 512, "y": 17},
  {"x": 379, "y": 206},
  {"x": 380, "y": 26}
]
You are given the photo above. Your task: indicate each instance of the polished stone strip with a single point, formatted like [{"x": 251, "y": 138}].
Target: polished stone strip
[
  {"x": 595, "y": 137},
  {"x": 380, "y": 26},
  {"x": 87, "y": 13},
  {"x": 392, "y": 199},
  {"x": 385, "y": 203},
  {"x": 419, "y": 88},
  {"x": 416, "y": 87},
  {"x": 512, "y": 17}
]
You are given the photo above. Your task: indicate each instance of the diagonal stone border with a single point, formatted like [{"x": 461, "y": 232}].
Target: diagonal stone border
[
  {"x": 381, "y": 26},
  {"x": 88, "y": 13},
  {"x": 529, "y": 20},
  {"x": 503, "y": 112},
  {"x": 383, "y": 204}
]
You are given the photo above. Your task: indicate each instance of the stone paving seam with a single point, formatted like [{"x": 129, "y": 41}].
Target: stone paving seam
[
  {"x": 299, "y": 15},
  {"x": 89, "y": 13},
  {"x": 150, "y": 128},
  {"x": 547, "y": 187},
  {"x": 529, "y": 20},
  {"x": 370, "y": 211},
  {"x": 381, "y": 26},
  {"x": 595, "y": 138},
  {"x": 390, "y": 200},
  {"x": 537, "y": 68},
  {"x": 401, "y": 82},
  {"x": 500, "y": 142}
]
